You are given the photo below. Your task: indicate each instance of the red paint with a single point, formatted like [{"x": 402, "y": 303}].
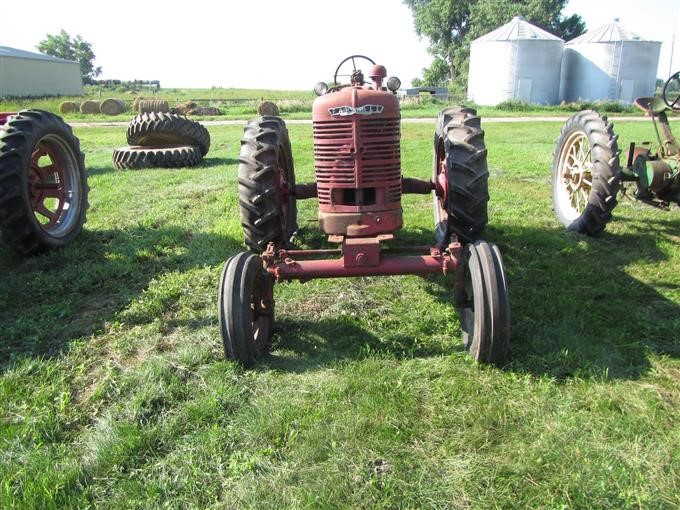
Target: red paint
[
  {"x": 4, "y": 116},
  {"x": 357, "y": 160},
  {"x": 361, "y": 257},
  {"x": 310, "y": 269}
]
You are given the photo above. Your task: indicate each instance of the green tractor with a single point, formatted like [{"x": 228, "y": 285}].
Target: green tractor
[{"x": 587, "y": 174}]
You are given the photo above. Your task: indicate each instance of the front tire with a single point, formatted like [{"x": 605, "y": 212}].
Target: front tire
[
  {"x": 485, "y": 316},
  {"x": 266, "y": 184},
  {"x": 43, "y": 184},
  {"x": 584, "y": 173},
  {"x": 245, "y": 308},
  {"x": 460, "y": 175}
]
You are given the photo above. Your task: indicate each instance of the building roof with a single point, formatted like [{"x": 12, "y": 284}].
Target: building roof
[
  {"x": 6, "y": 51},
  {"x": 518, "y": 29},
  {"x": 610, "y": 32}
]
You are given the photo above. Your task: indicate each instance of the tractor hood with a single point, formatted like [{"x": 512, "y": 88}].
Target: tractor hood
[{"x": 355, "y": 102}]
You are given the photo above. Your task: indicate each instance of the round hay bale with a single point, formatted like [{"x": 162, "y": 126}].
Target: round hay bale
[
  {"x": 89, "y": 107},
  {"x": 69, "y": 107},
  {"x": 268, "y": 108},
  {"x": 153, "y": 105},
  {"x": 112, "y": 106}
]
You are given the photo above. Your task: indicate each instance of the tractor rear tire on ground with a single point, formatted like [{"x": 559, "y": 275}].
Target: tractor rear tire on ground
[
  {"x": 43, "y": 184},
  {"x": 245, "y": 308},
  {"x": 266, "y": 184},
  {"x": 584, "y": 173},
  {"x": 461, "y": 175},
  {"x": 167, "y": 129},
  {"x": 178, "y": 156},
  {"x": 485, "y": 318}
]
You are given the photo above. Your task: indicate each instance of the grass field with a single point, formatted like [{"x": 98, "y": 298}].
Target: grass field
[
  {"x": 293, "y": 104},
  {"x": 114, "y": 392}
]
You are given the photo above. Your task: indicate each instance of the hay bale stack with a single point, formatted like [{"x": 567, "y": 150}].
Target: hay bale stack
[
  {"x": 185, "y": 108},
  {"x": 69, "y": 107},
  {"x": 204, "y": 110},
  {"x": 89, "y": 107},
  {"x": 112, "y": 106},
  {"x": 152, "y": 105}
]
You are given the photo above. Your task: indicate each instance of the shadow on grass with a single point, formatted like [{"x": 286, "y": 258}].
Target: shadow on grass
[
  {"x": 576, "y": 309},
  {"x": 311, "y": 345},
  {"x": 47, "y": 301},
  {"x": 208, "y": 162}
]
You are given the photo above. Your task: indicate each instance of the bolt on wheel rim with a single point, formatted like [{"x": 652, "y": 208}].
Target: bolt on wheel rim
[
  {"x": 53, "y": 186},
  {"x": 575, "y": 175}
]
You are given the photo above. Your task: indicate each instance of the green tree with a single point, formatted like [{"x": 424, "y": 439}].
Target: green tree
[
  {"x": 76, "y": 48},
  {"x": 451, "y": 25}
]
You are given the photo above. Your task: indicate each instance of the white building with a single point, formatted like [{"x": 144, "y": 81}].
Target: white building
[
  {"x": 609, "y": 62},
  {"x": 27, "y": 74},
  {"x": 515, "y": 61}
]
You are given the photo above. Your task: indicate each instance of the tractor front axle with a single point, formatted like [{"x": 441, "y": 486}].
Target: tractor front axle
[{"x": 360, "y": 256}]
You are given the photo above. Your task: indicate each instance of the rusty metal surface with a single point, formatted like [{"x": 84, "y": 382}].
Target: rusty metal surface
[
  {"x": 357, "y": 160},
  {"x": 361, "y": 257},
  {"x": 360, "y": 223},
  {"x": 416, "y": 186}
]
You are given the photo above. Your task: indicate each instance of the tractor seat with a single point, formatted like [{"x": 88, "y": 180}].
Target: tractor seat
[{"x": 654, "y": 105}]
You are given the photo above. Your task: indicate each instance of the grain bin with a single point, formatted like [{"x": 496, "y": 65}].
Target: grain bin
[
  {"x": 515, "y": 61},
  {"x": 609, "y": 62}
]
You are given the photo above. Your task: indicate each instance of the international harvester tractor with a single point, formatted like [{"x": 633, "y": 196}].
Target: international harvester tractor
[
  {"x": 358, "y": 186},
  {"x": 587, "y": 173}
]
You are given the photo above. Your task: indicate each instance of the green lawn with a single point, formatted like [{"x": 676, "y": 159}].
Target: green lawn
[{"x": 114, "y": 392}]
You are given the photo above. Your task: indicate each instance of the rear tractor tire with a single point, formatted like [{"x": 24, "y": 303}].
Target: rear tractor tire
[
  {"x": 460, "y": 175},
  {"x": 165, "y": 156},
  {"x": 266, "y": 184},
  {"x": 43, "y": 184},
  {"x": 584, "y": 173},
  {"x": 245, "y": 308},
  {"x": 483, "y": 306},
  {"x": 154, "y": 129}
]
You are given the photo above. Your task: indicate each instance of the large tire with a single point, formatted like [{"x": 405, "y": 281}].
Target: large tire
[
  {"x": 245, "y": 308},
  {"x": 485, "y": 318},
  {"x": 167, "y": 129},
  {"x": 461, "y": 176},
  {"x": 266, "y": 184},
  {"x": 43, "y": 184},
  {"x": 584, "y": 173},
  {"x": 178, "y": 156}
]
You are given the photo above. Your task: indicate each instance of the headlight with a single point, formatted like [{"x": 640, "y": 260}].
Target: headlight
[
  {"x": 393, "y": 83},
  {"x": 320, "y": 88}
]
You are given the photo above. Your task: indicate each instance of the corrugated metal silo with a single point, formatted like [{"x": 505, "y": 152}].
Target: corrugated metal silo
[
  {"x": 609, "y": 62},
  {"x": 515, "y": 61}
]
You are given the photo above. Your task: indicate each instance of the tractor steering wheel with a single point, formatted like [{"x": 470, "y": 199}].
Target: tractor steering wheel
[
  {"x": 673, "y": 101},
  {"x": 354, "y": 67}
]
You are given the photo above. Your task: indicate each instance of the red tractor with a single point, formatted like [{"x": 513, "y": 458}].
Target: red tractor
[
  {"x": 43, "y": 184},
  {"x": 358, "y": 186}
]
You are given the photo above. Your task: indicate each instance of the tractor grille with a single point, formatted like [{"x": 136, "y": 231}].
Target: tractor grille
[{"x": 375, "y": 163}]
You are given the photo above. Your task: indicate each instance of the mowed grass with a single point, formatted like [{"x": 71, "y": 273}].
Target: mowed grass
[{"x": 114, "y": 392}]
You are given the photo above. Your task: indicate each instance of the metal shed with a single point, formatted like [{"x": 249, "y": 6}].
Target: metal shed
[
  {"x": 26, "y": 74},
  {"x": 516, "y": 61},
  {"x": 609, "y": 62}
]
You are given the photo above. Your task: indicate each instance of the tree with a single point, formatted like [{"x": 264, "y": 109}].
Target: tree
[
  {"x": 63, "y": 46},
  {"x": 451, "y": 25}
]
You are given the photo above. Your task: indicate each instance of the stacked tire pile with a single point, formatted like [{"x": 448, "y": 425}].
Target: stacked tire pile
[{"x": 165, "y": 140}]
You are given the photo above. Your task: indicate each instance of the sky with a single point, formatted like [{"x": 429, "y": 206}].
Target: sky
[{"x": 272, "y": 44}]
